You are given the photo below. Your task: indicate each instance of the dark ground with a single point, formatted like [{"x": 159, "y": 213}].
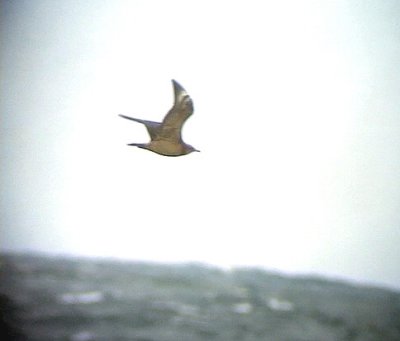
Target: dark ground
[{"x": 43, "y": 298}]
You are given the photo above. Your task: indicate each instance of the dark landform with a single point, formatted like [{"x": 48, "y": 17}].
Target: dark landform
[{"x": 81, "y": 299}]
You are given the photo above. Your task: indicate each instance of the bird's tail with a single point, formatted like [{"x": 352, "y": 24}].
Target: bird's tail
[{"x": 139, "y": 145}]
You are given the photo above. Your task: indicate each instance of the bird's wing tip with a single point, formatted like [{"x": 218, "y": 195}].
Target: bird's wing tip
[{"x": 177, "y": 86}]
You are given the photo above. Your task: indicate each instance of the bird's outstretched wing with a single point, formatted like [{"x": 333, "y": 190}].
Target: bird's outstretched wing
[
  {"x": 153, "y": 128},
  {"x": 182, "y": 109}
]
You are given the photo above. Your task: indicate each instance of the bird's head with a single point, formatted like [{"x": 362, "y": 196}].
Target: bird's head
[{"x": 189, "y": 149}]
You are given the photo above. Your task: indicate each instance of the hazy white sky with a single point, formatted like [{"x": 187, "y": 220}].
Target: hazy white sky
[{"x": 297, "y": 116}]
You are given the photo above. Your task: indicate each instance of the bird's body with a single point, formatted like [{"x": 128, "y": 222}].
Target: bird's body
[{"x": 166, "y": 138}]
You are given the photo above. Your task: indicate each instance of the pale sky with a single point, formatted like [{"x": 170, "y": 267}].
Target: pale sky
[{"x": 297, "y": 116}]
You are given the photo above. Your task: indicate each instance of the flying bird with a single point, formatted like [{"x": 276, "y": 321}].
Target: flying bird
[{"x": 166, "y": 137}]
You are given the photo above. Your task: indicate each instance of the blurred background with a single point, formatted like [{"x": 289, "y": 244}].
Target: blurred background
[{"x": 297, "y": 118}]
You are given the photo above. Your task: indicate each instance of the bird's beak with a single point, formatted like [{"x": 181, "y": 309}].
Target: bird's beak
[{"x": 197, "y": 150}]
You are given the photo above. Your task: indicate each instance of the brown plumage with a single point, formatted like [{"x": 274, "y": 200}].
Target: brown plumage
[{"x": 166, "y": 137}]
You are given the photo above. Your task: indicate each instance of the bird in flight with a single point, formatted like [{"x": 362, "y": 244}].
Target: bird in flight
[{"x": 166, "y": 137}]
